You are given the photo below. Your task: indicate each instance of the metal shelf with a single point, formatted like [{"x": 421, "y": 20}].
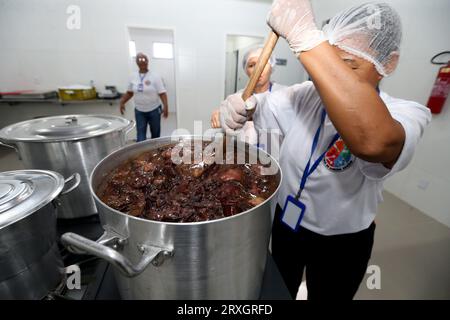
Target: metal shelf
[{"x": 13, "y": 102}]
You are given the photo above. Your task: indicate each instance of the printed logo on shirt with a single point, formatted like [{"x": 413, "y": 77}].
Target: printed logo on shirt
[
  {"x": 339, "y": 157},
  {"x": 147, "y": 82}
]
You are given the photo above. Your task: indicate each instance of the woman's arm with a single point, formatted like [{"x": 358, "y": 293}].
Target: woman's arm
[
  {"x": 350, "y": 96},
  {"x": 163, "y": 97},
  {"x": 125, "y": 98},
  {"x": 354, "y": 107}
]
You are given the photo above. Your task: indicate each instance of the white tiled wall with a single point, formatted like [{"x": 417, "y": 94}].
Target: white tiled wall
[{"x": 39, "y": 52}]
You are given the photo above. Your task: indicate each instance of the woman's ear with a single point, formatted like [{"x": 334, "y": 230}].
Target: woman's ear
[
  {"x": 379, "y": 77},
  {"x": 392, "y": 63}
]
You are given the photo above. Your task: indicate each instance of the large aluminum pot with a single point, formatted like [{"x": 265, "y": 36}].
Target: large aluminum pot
[
  {"x": 30, "y": 264},
  {"x": 67, "y": 144},
  {"x": 218, "y": 259}
]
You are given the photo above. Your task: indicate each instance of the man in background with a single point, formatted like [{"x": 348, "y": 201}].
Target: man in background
[{"x": 149, "y": 92}]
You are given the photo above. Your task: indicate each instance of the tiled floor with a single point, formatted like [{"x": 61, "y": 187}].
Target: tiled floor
[
  {"x": 413, "y": 253},
  {"x": 411, "y": 249}
]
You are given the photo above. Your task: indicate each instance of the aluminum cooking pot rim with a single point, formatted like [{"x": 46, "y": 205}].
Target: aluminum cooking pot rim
[
  {"x": 193, "y": 137},
  {"x": 49, "y": 198},
  {"x": 128, "y": 126}
]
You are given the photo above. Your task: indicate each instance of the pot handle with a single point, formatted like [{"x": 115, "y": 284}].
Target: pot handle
[
  {"x": 76, "y": 176},
  {"x": 11, "y": 147},
  {"x": 150, "y": 254}
]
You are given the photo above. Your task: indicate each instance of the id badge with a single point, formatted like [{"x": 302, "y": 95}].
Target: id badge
[
  {"x": 293, "y": 212},
  {"x": 140, "y": 87}
]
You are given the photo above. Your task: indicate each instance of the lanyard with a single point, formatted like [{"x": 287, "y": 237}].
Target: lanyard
[
  {"x": 270, "y": 87},
  {"x": 142, "y": 77},
  {"x": 309, "y": 170}
]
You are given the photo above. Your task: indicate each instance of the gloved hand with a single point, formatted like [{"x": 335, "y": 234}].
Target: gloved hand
[
  {"x": 294, "y": 21},
  {"x": 215, "y": 119},
  {"x": 234, "y": 111}
]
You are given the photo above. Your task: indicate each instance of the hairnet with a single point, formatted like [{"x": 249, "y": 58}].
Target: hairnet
[
  {"x": 372, "y": 31},
  {"x": 256, "y": 51}
]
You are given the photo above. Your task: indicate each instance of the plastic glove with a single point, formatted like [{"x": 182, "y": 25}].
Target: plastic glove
[
  {"x": 233, "y": 112},
  {"x": 294, "y": 21}
]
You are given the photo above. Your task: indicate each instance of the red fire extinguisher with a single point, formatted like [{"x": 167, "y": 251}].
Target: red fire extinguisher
[{"x": 441, "y": 86}]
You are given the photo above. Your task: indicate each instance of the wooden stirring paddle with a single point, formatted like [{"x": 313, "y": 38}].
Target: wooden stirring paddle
[{"x": 262, "y": 61}]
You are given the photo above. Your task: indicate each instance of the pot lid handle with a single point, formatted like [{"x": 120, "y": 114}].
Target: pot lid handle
[{"x": 72, "y": 120}]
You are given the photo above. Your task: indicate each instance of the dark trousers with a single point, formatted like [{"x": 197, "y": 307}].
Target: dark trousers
[
  {"x": 151, "y": 118},
  {"x": 335, "y": 265}
]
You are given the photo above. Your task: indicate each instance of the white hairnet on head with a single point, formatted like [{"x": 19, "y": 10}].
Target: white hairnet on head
[
  {"x": 256, "y": 51},
  {"x": 372, "y": 31}
]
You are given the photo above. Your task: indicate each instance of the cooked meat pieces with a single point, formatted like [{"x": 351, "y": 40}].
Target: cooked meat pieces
[
  {"x": 130, "y": 200},
  {"x": 233, "y": 174},
  {"x": 152, "y": 186}
]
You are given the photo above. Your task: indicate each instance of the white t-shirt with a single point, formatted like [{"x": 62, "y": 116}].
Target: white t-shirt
[
  {"x": 153, "y": 86},
  {"x": 343, "y": 194}
]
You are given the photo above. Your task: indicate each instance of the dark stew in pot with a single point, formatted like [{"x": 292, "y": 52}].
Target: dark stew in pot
[{"x": 152, "y": 186}]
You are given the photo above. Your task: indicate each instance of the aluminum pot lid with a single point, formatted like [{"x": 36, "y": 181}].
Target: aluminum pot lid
[
  {"x": 63, "y": 128},
  {"x": 26, "y": 191}
]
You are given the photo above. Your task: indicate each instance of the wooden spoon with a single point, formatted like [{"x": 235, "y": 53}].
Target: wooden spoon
[
  {"x": 262, "y": 61},
  {"x": 261, "y": 64}
]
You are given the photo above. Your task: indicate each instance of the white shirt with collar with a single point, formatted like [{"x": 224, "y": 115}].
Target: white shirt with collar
[
  {"x": 343, "y": 194},
  {"x": 153, "y": 85}
]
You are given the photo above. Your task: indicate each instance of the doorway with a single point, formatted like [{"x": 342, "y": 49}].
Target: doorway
[
  {"x": 235, "y": 76},
  {"x": 288, "y": 70},
  {"x": 158, "y": 45}
]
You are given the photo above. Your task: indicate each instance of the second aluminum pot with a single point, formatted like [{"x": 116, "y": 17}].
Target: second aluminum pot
[
  {"x": 30, "y": 262},
  {"x": 67, "y": 144}
]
